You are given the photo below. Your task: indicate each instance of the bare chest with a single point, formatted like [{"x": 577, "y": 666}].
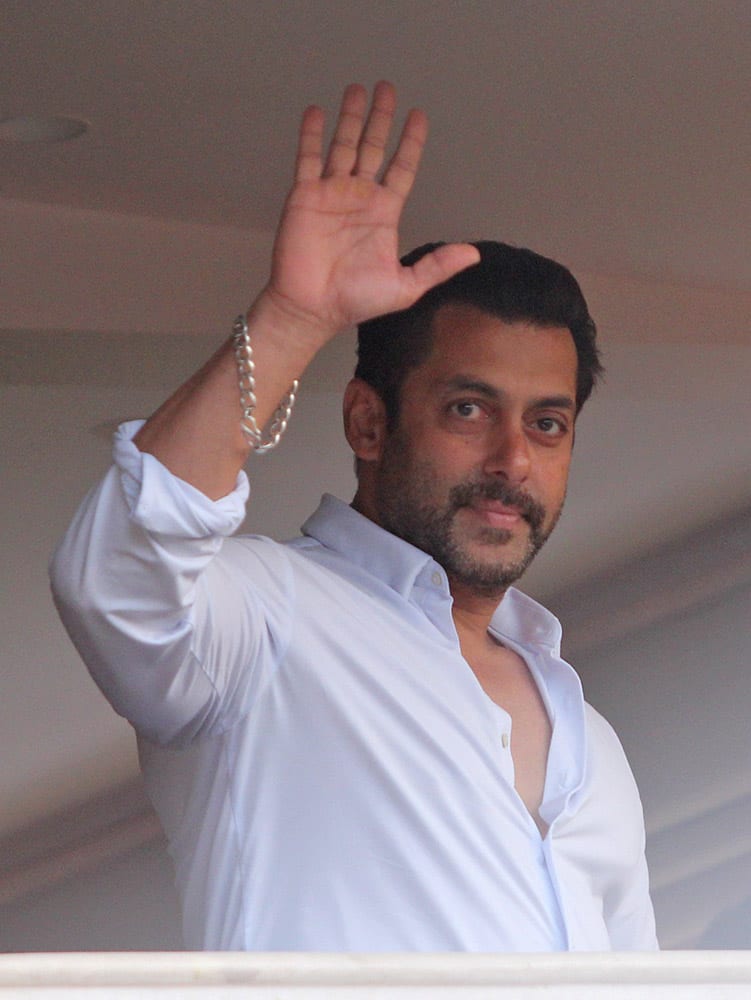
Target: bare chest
[{"x": 506, "y": 679}]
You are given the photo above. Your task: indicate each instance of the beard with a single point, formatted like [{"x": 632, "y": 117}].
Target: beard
[{"x": 406, "y": 505}]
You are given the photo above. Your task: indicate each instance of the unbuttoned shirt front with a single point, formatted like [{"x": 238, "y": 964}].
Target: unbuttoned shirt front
[{"x": 329, "y": 772}]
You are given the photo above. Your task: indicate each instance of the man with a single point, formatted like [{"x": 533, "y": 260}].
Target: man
[{"x": 366, "y": 740}]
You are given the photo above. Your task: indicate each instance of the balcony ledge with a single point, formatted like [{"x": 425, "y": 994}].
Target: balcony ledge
[{"x": 282, "y": 976}]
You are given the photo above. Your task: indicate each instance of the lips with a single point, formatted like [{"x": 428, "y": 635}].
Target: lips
[
  {"x": 497, "y": 514},
  {"x": 497, "y": 507},
  {"x": 499, "y": 504}
]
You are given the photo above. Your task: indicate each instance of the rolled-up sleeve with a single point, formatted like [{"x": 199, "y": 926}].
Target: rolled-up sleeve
[{"x": 132, "y": 582}]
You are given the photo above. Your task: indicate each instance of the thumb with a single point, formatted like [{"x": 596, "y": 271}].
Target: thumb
[{"x": 440, "y": 265}]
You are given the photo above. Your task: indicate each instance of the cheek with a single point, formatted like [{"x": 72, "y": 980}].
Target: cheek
[
  {"x": 459, "y": 466},
  {"x": 459, "y": 451},
  {"x": 551, "y": 471},
  {"x": 557, "y": 482}
]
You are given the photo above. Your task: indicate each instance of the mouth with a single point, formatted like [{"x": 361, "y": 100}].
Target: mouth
[
  {"x": 497, "y": 514},
  {"x": 499, "y": 505}
]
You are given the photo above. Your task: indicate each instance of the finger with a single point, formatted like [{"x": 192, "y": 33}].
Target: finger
[
  {"x": 440, "y": 265},
  {"x": 376, "y": 132},
  {"x": 309, "y": 145},
  {"x": 343, "y": 148},
  {"x": 402, "y": 169}
]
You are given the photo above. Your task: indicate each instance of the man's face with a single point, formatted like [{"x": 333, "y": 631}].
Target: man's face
[{"x": 475, "y": 472}]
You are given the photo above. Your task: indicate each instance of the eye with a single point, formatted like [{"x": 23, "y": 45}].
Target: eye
[
  {"x": 466, "y": 409},
  {"x": 552, "y": 426}
]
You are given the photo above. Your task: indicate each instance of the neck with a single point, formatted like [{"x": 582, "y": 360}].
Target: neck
[
  {"x": 364, "y": 506},
  {"x": 473, "y": 611}
]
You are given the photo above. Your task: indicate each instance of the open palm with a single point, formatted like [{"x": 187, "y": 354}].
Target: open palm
[{"x": 336, "y": 256}]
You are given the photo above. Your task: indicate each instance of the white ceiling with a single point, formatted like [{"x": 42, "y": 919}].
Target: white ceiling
[{"x": 611, "y": 135}]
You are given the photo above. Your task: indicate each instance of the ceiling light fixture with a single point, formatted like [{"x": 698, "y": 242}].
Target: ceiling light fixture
[{"x": 40, "y": 128}]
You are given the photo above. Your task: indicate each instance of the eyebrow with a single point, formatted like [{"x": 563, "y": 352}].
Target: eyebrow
[{"x": 464, "y": 383}]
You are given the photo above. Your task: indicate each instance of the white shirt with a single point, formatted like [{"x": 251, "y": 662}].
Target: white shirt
[{"x": 329, "y": 772}]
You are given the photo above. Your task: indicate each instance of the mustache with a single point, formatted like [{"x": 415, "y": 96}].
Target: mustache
[{"x": 465, "y": 494}]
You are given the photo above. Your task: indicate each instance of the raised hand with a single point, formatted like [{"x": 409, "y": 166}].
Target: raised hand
[
  {"x": 336, "y": 256},
  {"x": 335, "y": 263}
]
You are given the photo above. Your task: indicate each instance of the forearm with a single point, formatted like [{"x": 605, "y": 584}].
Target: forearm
[{"x": 197, "y": 433}]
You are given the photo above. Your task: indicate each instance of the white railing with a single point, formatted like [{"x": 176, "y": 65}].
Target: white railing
[{"x": 228, "y": 976}]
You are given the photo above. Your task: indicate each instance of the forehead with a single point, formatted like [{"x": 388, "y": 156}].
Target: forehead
[{"x": 469, "y": 342}]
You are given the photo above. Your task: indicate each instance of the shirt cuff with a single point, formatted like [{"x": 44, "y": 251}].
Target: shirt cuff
[{"x": 163, "y": 503}]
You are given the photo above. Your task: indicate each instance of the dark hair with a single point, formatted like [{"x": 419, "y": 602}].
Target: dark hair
[{"x": 509, "y": 282}]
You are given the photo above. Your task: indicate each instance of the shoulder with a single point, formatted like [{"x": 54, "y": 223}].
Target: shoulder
[
  {"x": 279, "y": 570},
  {"x": 247, "y": 550},
  {"x": 599, "y": 727},
  {"x": 602, "y": 739},
  {"x": 257, "y": 562},
  {"x": 607, "y": 765}
]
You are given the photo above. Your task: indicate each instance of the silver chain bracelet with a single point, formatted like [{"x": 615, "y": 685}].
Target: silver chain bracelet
[{"x": 246, "y": 379}]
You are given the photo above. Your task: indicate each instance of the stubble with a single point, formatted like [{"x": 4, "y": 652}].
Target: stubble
[{"x": 408, "y": 505}]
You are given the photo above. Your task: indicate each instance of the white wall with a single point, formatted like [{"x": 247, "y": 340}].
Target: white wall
[
  {"x": 662, "y": 648},
  {"x": 127, "y": 904}
]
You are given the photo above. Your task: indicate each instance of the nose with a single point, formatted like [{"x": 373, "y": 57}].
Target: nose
[{"x": 509, "y": 454}]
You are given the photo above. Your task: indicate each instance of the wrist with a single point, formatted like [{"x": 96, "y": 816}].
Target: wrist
[
  {"x": 294, "y": 327},
  {"x": 246, "y": 368}
]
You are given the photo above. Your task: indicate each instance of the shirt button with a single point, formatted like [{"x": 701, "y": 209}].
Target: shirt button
[
  {"x": 505, "y": 740},
  {"x": 437, "y": 579}
]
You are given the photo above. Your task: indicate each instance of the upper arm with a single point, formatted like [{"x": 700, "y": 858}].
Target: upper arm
[{"x": 176, "y": 628}]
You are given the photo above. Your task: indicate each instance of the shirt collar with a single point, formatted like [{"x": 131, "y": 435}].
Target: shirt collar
[
  {"x": 520, "y": 618},
  {"x": 341, "y": 528},
  {"x": 402, "y": 566}
]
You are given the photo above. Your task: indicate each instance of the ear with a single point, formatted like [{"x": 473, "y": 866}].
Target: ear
[{"x": 364, "y": 420}]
